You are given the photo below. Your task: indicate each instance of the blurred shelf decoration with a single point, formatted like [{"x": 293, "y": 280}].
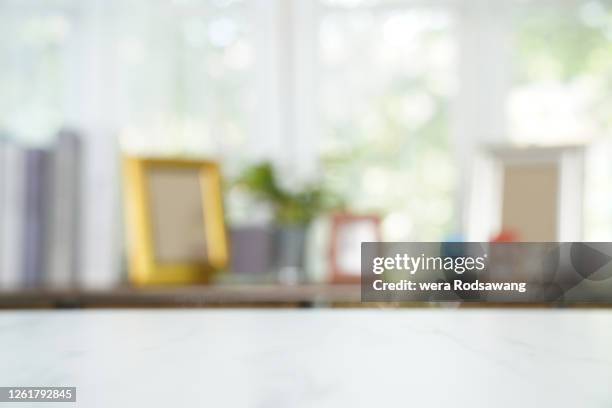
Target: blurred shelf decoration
[
  {"x": 174, "y": 215},
  {"x": 294, "y": 208},
  {"x": 348, "y": 232},
  {"x": 252, "y": 250},
  {"x": 532, "y": 193},
  {"x": 40, "y": 212}
]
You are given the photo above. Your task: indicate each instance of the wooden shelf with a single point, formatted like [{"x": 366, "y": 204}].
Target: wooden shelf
[
  {"x": 191, "y": 296},
  {"x": 228, "y": 295}
]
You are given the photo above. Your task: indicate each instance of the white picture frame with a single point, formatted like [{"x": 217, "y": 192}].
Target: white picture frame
[{"x": 486, "y": 196}]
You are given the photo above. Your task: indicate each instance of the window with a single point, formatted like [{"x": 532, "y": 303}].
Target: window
[
  {"x": 216, "y": 77},
  {"x": 184, "y": 74},
  {"x": 563, "y": 72},
  {"x": 387, "y": 77},
  {"x": 34, "y": 45},
  {"x": 561, "y": 92},
  {"x": 170, "y": 76}
]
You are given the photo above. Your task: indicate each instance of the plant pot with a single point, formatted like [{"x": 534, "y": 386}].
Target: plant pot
[
  {"x": 252, "y": 250},
  {"x": 290, "y": 248}
]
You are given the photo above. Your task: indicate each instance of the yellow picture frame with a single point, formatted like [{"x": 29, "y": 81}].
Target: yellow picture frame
[{"x": 144, "y": 266}]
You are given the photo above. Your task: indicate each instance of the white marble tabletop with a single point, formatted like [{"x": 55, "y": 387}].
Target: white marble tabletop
[{"x": 313, "y": 358}]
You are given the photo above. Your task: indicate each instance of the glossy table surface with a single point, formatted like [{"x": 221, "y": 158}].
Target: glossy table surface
[{"x": 313, "y": 358}]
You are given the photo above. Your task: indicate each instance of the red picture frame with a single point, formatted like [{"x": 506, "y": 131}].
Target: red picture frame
[{"x": 345, "y": 244}]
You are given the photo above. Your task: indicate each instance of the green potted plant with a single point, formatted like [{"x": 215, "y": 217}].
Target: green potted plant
[{"x": 293, "y": 212}]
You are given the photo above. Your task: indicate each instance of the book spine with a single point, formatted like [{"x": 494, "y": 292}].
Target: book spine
[
  {"x": 12, "y": 215},
  {"x": 36, "y": 167},
  {"x": 64, "y": 210},
  {"x": 100, "y": 265}
]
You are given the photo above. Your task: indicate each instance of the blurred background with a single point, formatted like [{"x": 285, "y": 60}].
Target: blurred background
[{"x": 382, "y": 106}]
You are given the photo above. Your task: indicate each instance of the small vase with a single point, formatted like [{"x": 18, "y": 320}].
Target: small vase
[
  {"x": 251, "y": 250},
  {"x": 290, "y": 248}
]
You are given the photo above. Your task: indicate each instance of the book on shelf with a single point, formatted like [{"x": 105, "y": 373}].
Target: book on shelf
[
  {"x": 12, "y": 214},
  {"x": 101, "y": 262},
  {"x": 40, "y": 213},
  {"x": 35, "y": 222},
  {"x": 64, "y": 210}
]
